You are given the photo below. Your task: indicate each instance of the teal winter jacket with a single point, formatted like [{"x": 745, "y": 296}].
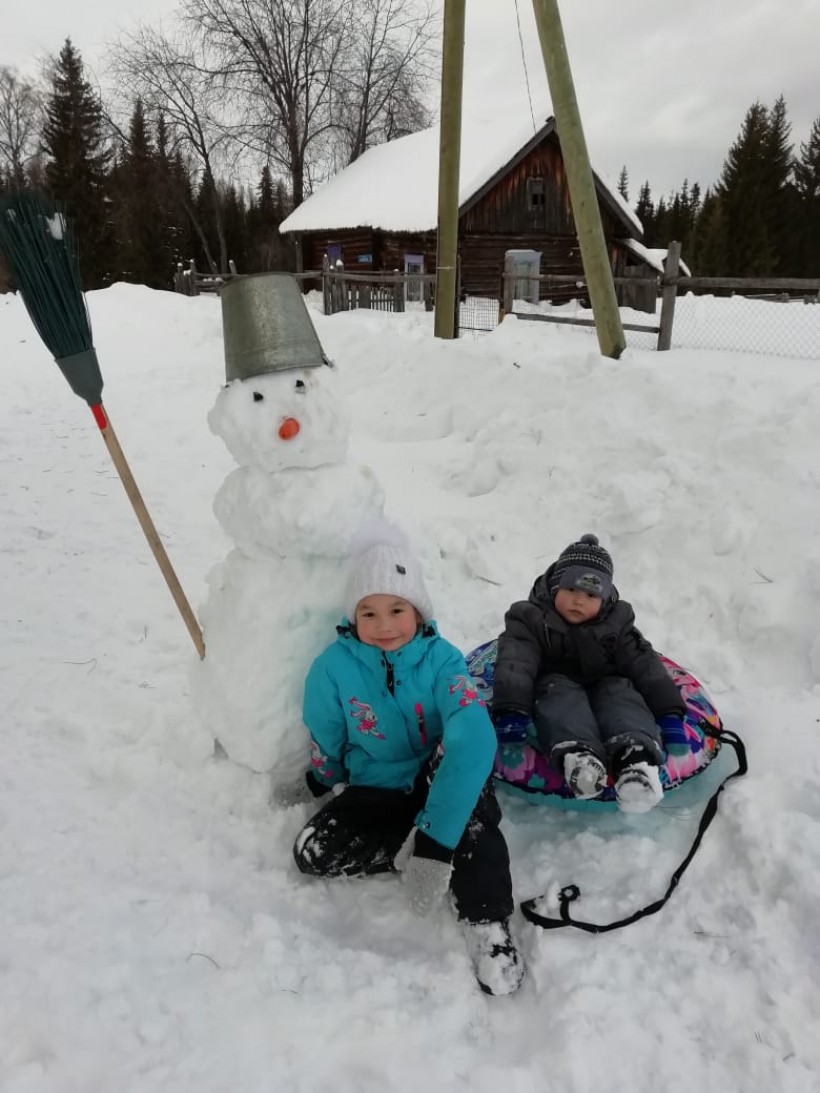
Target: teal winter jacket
[{"x": 375, "y": 718}]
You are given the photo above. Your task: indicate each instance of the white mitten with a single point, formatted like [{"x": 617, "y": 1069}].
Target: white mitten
[
  {"x": 295, "y": 792},
  {"x": 405, "y": 850},
  {"x": 426, "y": 880},
  {"x": 304, "y": 790}
]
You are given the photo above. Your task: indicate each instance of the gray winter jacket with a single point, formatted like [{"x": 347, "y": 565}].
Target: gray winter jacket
[{"x": 537, "y": 642}]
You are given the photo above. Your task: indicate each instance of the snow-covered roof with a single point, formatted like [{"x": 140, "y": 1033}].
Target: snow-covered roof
[
  {"x": 394, "y": 186},
  {"x": 618, "y": 198},
  {"x": 653, "y": 256}
]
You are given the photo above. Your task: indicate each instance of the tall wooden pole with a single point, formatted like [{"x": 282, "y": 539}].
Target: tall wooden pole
[
  {"x": 587, "y": 215},
  {"x": 452, "y": 79}
]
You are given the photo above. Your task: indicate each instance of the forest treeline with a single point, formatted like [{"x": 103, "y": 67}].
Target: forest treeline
[
  {"x": 304, "y": 87},
  {"x": 276, "y": 93},
  {"x": 762, "y": 216}
]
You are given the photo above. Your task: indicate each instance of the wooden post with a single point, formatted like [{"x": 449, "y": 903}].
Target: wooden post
[
  {"x": 507, "y": 287},
  {"x": 327, "y": 301},
  {"x": 194, "y": 287},
  {"x": 344, "y": 302},
  {"x": 457, "y": 301},
  {"x": 232, "y": 268},
  {"x": 452, "y": 79},
  {"x": 585, "y": 211},
  {"x": 670, "y": 293},
  {"x": 429, "y": 294}
]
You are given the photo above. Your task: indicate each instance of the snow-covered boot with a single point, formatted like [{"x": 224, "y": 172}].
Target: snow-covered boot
[
  {"x": 497, "y": 964},
  {"x": 585, "y": 774},
  {"x": 638, "y": 787}
]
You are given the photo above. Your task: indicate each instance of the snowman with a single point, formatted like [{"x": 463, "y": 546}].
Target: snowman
[{"x": 293, "y": 507}]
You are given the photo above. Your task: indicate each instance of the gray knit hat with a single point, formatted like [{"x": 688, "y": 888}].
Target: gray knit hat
[
  {"x": 391, "y": 570},
  {"x": 584, "y": 565}
]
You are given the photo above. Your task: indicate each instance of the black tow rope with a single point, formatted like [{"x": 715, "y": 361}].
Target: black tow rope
[{"x": 571, "y": 892}]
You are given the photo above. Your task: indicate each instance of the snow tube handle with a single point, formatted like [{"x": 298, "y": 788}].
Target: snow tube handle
[{"x": 571, "y": 892}]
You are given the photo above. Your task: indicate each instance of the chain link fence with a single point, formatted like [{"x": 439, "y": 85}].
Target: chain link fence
[
  {"x": 477, "y": 316},
  {"x": 782, "y": 327},
  {"x": 778, "y": 326}
]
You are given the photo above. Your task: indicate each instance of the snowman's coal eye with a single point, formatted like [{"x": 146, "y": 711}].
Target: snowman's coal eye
[
  {"x": 300, "y": 387},
  {"x": 258, "y": 396}
]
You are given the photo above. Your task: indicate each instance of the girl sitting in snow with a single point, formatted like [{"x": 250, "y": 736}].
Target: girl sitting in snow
[
  {"x": 400, "y": 736},
  {"x": 571, "y": 659}
]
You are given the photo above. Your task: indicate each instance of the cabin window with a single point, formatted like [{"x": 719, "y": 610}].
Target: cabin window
[
  {"x": 536, "y": 194},
  {"x": 414, "y": 264},
  {"x": 334, "y": 253}
]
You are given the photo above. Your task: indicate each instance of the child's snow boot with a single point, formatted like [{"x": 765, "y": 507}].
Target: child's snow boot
[
  {"x": 638, "y": 787},
  {"x": 637, "y": 780},
  {"x": 585, "y": 774},
  {"x": 497, "y": 964}
]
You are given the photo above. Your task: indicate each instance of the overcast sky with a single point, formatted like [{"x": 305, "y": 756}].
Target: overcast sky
[{"x": 662, "y": 87}]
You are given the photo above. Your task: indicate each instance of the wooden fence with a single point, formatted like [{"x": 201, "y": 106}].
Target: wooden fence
[
  {"x": 191, "y": 282},
  {"x": 343, "y": 291},
  {"x": 669, "y": 284}
]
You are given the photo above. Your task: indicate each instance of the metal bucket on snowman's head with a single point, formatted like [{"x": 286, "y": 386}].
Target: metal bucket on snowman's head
[{"x": 266, "y": 327}]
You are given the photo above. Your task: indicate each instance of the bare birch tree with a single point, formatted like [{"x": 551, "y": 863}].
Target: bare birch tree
[
  {"x": 388, "y": 69},
  {"x": 277, "y": 58},
  {"x": 20, "y": 104},
  {"x": 318, "y": 81},
  {"x": 172, "y": 79}
]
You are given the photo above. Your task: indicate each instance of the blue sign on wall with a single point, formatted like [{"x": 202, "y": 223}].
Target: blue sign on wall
[{"x": 365, "y": 258}]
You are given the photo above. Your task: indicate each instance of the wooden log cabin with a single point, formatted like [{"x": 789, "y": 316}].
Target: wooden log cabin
[{"x": 380, "y": 214}]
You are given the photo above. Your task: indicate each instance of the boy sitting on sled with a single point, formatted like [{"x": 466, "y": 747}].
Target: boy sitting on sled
[{"x": 571, "y": 659}]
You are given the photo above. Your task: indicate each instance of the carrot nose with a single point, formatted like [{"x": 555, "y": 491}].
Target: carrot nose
[{"x": 289, "y": 428}]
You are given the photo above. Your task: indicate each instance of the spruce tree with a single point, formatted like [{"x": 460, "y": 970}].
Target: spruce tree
[
  {"x": 206, "y": 208},
  {"x": 677, "y": 216},
  {"x": 77, "y": 163},
  {"x": 807, "y": 167},
  {"x": 140, "y": 213},
  {"x": 807, "y": 183},
  {"x": 706, "y": 256},
  {"x": 782, "y": 194},
  {"x": 623, "y": 183},
  {"x": 266, "y": 248},
  {"x": 752, "y": 191},
  {"x": 174, "y": 198},
  {"x": 645, "y": 210},
  {"x": 235, "y": 219},
  {"x": 660, "y": 223}
]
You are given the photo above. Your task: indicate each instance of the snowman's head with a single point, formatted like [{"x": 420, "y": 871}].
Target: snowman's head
[{"x": 294, "y": 419}]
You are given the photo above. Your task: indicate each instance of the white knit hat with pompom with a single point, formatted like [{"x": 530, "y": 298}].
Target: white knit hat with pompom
[{"x": 384, "y": 565}]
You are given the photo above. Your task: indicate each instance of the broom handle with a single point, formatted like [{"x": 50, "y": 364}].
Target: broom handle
[{"x": 147, "y": 525}]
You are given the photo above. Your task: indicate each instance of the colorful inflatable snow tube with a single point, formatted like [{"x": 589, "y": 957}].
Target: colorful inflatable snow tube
[{"x": 521, "y": 767}]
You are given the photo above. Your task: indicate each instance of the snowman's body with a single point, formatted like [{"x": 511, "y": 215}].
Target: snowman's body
[{"x": 292, "y": 507}]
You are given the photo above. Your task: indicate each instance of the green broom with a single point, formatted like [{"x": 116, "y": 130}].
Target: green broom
[{"x": 38, "y": 246}]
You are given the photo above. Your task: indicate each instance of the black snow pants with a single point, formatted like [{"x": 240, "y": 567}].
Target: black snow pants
[
  {"x": 605, "y": 718},
  {"x": 360, "y": 832}
]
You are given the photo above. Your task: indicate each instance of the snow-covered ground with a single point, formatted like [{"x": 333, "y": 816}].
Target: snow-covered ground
[{"x": 154, "y": 932}]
